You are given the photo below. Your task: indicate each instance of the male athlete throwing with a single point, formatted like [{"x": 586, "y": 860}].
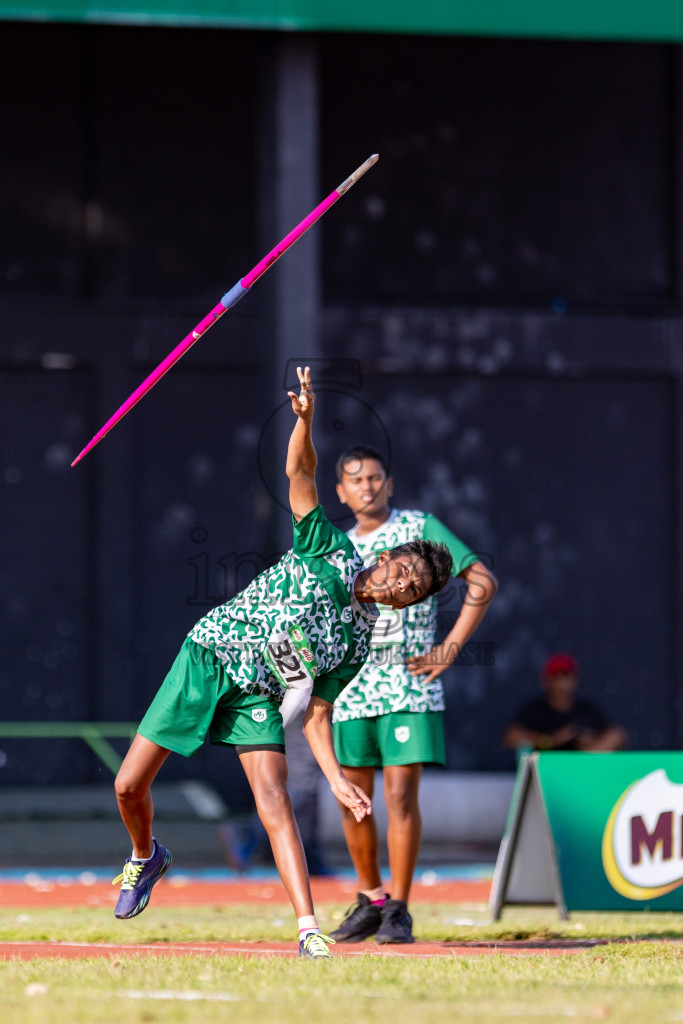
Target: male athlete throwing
[{"x": 294, "y": 637}]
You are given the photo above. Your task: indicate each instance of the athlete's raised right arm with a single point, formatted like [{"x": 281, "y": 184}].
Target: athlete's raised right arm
[{"x": 301, "y": 457}]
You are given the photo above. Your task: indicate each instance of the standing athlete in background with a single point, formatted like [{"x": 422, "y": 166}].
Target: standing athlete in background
[{"x": 391, "y": 715}]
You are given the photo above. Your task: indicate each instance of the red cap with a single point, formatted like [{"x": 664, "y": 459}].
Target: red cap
[{"x": 558, "y": 664}]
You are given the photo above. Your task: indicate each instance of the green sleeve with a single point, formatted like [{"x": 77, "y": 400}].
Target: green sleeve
[
  {"x": 329, "y": 685},
  {"x": 315, "y": 536},
  {"x": 434, "y": 530}
]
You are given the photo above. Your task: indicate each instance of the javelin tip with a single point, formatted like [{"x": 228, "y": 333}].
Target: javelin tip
[
  {"x": 88, "y": 447},
  {"x": 353, "y": 178}
]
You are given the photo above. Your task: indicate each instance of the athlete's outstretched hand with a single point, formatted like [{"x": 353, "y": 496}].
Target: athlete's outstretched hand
[
  {"x": 319, "y": 736},
  {"x": 352, "y": 796}
]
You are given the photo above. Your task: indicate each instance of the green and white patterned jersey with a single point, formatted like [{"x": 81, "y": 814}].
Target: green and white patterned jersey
[
  {"x": 384, "y": 684},
  {"x": 306, "y": 600}
]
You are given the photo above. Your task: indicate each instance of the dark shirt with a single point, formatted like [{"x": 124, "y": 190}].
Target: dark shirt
[{"x": 538, "y": 716}]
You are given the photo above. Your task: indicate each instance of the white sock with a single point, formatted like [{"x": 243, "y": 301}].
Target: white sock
[
  {"x": 144, "y": 860},
  {"x": 307, "y": 924}
]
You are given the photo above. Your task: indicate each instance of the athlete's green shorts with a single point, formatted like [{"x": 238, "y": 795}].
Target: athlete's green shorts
[
  {"x": 400, "y": 737},
  {"x": 198, "y": 697}
]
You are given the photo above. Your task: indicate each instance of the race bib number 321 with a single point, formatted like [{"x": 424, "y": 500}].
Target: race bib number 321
[{"x": 290, "y": 659}]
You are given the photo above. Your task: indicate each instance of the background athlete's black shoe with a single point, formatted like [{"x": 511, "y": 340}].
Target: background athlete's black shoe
[
  {"x": 396, "y": 924},
  {"x": 362, "y": 920}
]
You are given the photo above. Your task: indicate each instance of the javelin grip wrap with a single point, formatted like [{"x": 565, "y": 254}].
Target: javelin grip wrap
[{"x": 232, "y": 297}]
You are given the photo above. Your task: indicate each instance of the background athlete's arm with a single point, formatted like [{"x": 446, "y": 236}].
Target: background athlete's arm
[
  {"x": 301, "y": 457},
  {"x": 481, "y": 588}
]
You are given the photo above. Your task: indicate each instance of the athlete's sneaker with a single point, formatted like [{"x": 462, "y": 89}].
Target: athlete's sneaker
[
  {"x": 316, "y": 946},
  {"x": 362, "y": 920},
  {"x": 397, "y": 924},
  {"x": 138, "y": 879}
]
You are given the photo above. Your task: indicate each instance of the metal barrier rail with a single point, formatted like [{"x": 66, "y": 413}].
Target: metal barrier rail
[{"x": 95, "y": 734}]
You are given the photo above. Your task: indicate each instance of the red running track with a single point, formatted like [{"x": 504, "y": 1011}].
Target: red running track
[{"x": 177, "y": 890}]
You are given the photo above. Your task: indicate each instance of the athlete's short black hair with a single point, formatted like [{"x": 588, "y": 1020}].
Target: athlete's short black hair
[
  {"x": 359, "y": 453},
  {"x": 437, "y": 557}
]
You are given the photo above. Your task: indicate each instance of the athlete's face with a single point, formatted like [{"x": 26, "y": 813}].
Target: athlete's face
[
  {"x": 399, "y": 580},
  {"x": 365, "y": 487}
]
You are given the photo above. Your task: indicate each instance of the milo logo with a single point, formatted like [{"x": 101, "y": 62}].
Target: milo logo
[
  {"x": 306, "y": 654},
  {"x": 642, "y": 846}
]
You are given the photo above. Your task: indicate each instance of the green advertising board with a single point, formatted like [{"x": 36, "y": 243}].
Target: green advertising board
[
  {"x": 594, "y": 832},
  {"x": 656, "y": 20}
]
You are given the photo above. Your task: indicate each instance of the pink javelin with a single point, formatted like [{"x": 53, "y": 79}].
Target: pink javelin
[{"x": 230, "y": 299}]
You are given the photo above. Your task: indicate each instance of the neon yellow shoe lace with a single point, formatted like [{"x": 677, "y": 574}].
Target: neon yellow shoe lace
[
  {"x": 316, "y": 944},
  {"x": 129, "y": 875}
]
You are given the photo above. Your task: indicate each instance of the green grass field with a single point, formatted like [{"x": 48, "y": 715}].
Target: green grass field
[{"x": 619, "y": 981}]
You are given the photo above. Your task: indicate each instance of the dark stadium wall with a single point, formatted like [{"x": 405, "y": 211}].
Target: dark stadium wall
[{"x": 498, "y": 303}]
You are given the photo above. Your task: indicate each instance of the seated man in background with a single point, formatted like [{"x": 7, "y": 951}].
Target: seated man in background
[{"x": 560, "y": 720}]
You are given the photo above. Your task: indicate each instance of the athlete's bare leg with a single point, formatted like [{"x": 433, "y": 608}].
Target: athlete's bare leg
[
  {"x": 401, "y": 788},
  {"x": 266, "y": 771},
  {"x": 133, "y": 783}
]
